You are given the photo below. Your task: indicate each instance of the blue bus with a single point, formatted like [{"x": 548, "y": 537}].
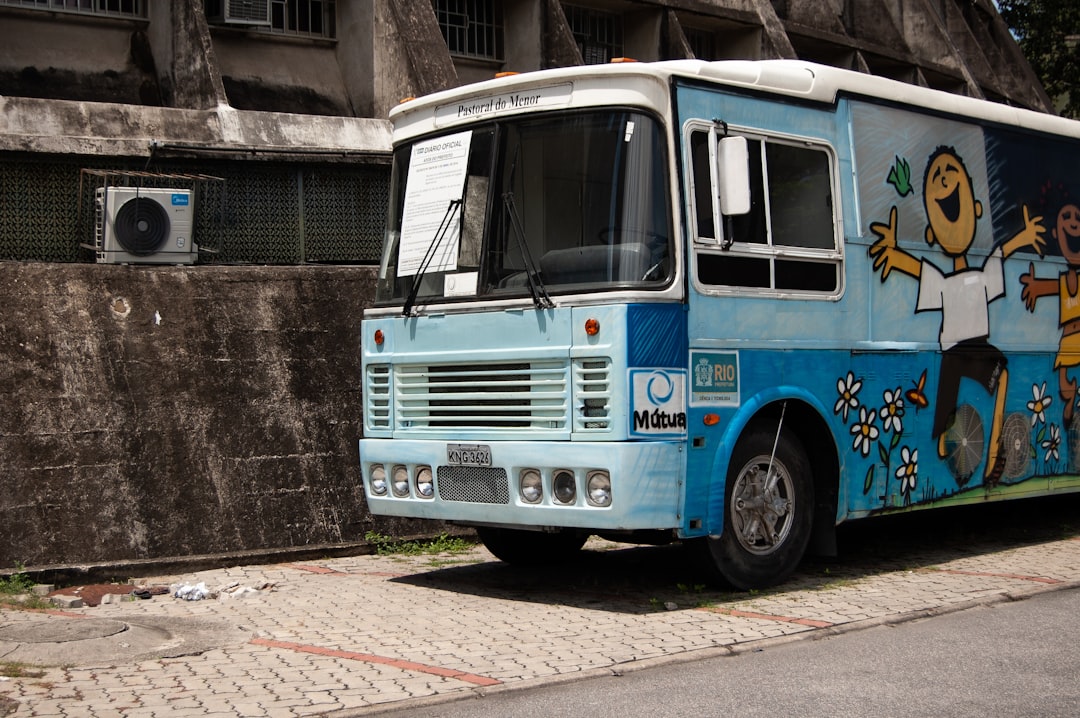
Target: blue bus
[{"x": 732, "y": 304}]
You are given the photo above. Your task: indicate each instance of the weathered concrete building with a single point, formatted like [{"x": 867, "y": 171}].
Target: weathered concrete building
[{"x": 203, "y": 396}]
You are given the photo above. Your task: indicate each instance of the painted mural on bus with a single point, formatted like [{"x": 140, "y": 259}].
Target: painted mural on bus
[{"x": 948, "y": 206}]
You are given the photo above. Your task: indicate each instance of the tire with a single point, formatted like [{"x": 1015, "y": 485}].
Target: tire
[
  {"x": 766, "y": 531},
  {"x": 531, "y": 548}
]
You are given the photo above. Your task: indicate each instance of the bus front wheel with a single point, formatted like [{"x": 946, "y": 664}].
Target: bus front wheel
[
  {"x": 530, "y": 548},
  {"x": 768, "y": 511}
]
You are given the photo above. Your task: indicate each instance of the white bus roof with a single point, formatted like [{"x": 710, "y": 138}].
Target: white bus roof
[{"x": 789, "y": 78}]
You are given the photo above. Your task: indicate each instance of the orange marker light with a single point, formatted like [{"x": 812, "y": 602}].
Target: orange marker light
[
  {"x": 623, "y": 59},
  {"x": 711, "y": 419},
  {"x": 508, "y": 73},
  {"x": 592, "y": 327},
  {"x": 379, "y": 337}
]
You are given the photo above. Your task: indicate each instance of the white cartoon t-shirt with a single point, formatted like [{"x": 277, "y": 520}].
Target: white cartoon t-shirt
[{"x": 963, "y": 298}]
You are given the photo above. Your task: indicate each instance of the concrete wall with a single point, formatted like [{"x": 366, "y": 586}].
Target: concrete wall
[{"x": 158, "y": 411}]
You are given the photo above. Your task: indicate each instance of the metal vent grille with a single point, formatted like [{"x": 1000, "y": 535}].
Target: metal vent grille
[
  {"x": 474, "y": 484},
  {"x": 344, "y": 213},
  {"x": 39, "y": 211},
  {"x": 592, "y": 394},
  {"x": 525, "y": 395},
  {"x": 377, "y": 397},
  {"x": 279, "y": 214}
]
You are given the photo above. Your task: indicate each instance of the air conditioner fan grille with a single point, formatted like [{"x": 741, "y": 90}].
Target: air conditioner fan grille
[{"x": 142, "y": 226}]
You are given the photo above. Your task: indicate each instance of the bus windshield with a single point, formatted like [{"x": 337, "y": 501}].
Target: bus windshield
[{"x": 528, "y": 207}]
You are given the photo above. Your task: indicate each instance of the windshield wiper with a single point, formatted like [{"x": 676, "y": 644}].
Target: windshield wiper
[
  {"x": 539, "y": 293},
  {"x": 444, "y": 227}
]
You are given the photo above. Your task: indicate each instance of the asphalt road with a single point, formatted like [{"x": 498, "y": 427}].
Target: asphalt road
[{"x": 1010, "y": 659}]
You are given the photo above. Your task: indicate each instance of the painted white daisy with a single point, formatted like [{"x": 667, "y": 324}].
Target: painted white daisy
[
  {"x": 1052, "y": 443},
  {"x": 848, "y": 388},
  {"x": 864, "y": 431},
  {"x": 908, "y": 471},
  {"x": 1037, "y": 406},
  {"x": 892, "y": 414}
]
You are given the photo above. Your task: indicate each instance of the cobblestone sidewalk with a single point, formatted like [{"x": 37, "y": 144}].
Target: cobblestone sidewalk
[{"x": 348, "y": 636}]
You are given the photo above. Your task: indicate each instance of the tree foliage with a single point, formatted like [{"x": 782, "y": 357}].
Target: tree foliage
[{"x": 1048, "y": 32}]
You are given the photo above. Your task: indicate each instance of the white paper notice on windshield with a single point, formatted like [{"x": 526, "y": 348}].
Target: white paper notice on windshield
[{"x": 436, "y": 181}]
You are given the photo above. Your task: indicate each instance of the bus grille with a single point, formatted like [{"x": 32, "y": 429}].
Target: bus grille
[
  {"x": 504, "y": 395},
  {"x": 592, "y": 394},
  {"x": 377, "y": 397},
  {"x": 475, "y": 484}
]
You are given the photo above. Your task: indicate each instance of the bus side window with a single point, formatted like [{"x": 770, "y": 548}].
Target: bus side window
[
  {"x": 752, "y": 227},
  {"x": 787, "y": 242},
  {"x": 799, "y": 197},
  {"x": 703, "y": 210}
]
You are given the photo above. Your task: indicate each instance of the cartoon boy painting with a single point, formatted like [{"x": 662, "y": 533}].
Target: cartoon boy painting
[
  {"x": 962, "y": 295},
  {"x": 1067, "y": 287}
]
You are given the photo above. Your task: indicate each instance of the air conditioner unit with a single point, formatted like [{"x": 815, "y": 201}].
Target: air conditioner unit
[
  {"x": 141, "y": 225},
  {"x": 242, "y": 12}
]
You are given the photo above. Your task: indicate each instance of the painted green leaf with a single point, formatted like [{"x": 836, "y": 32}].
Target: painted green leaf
[
  {"x": 900, "y": 177},
  {"x": 894, "y": 442},
  {"x": 868, "y": 482},
  {"x": 883, "y": 453}
]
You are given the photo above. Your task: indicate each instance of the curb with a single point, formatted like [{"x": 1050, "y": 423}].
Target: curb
[{"x": 74, "y": 574}]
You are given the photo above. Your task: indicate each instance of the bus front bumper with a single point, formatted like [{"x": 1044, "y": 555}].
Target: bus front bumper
[{"x": 589, "y": 485}]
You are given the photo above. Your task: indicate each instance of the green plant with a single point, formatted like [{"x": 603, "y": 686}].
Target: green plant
[
  {"x": 443, "y": 543},
  {"x": 12, "y": 669},
  {"x": 16, "y": 583}
]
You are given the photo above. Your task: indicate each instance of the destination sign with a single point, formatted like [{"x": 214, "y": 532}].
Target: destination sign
[{"x": 489, "y": 105}]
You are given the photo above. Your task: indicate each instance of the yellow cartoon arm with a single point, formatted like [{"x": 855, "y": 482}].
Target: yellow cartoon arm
[
  {"x": 887, "y": 256},
  {"x": 1030, "y": 236},
  {"x": 1035, "y": 287}
]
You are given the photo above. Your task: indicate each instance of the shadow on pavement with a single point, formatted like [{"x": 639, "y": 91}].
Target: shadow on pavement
[{"x": 644, "y": 579}]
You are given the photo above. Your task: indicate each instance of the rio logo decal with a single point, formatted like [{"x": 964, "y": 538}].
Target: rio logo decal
[
  {"x": 716, "y": 378},
  {"x": 657, "y": 403}
]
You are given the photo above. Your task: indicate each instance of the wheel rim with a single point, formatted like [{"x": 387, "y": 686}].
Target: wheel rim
[{"x": 761, "y": 505}]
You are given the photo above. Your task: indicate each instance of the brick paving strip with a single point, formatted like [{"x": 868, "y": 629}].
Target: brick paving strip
[{"x": 369, "y": 658}]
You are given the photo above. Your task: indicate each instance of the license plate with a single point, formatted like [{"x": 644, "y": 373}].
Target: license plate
[{"x": 468, "y": 454}]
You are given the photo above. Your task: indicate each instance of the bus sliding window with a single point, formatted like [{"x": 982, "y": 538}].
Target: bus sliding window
[{"x": 788, "y": 241}]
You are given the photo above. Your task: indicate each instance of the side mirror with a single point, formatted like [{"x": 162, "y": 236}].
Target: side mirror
[{"x": 733, "y": 168}]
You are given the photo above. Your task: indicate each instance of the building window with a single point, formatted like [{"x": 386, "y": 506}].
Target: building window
[
  {"x": 295, "y": 18},
  {"x": 471, "y": 28},
  {"x": 702, "y": 42},
  {"x": 598, "y": 33},
  {"x": 306, "y": 18},
  {"x": 121, "y": 8}
]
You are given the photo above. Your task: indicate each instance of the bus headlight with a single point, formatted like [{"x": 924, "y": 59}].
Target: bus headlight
[
  {"x": 598, "y": 486},
  {"x": 564, "y": 486},
  {"x": 400, "y": 483},
  {"x": 377, "y": 479},
  {"x": 425, "y": 485},
  {"x": 531, "y": 486}
]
